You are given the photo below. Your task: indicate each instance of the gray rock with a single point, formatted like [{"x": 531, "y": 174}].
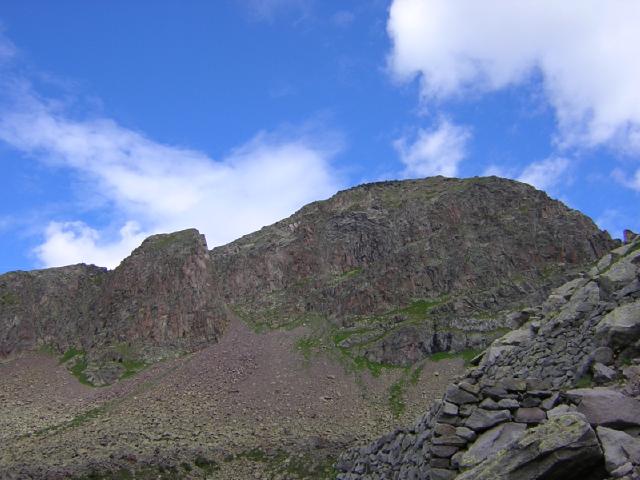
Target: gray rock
[
  {"x": 607, "y": 407},
  {"x": 466, "y": 433},
  {"x": 449, "y": 409},
  {"x": 443, "y": 451},
  {"x": 459, "y": 396},
  {"x": 444, "y": 429},
  {"x": 442, "y": 474},
  {"x": 602, "y": 373},
  {"x": 452, "y": 440},
  {"x": 619, "y": 448},
  {"x": 550, "y": 402},
  {"x": 602, "y": 355},
  {"x": 490, "y": 442},
  {"x": 564, "y": 447},
  {"x": 530, "y": 415},
  {"x": 621, "y": 326},
  {"x": 482, "y": 419},
  {"x": 509, "y": 403},
  {"x": 623, "y": 470}
]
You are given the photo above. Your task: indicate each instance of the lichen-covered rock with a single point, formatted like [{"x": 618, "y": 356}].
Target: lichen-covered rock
[
  {"x": 491, "y": 442},
  {"x": 565, "y": 447}
]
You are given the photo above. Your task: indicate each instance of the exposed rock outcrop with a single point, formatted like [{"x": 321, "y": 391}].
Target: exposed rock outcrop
[
  {"x": 527, "y": 420},
  {"x": 161, "y": 296},
  {"x": 406, "y": 269}
]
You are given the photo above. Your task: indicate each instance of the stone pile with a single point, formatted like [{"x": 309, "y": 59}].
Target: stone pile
[{"x": 518, "y": 414}]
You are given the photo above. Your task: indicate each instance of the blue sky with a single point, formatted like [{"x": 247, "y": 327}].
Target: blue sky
[{"x": 122, "y": 119}]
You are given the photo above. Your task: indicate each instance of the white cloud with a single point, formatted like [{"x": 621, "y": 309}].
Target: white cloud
[
  {"x": 434, "y": 152},
  {"x": 545, "y": 173},
  {"x": 69, "y": 243},
  {"x": 615, "y": 222},
  {"x": 631, "y": 181},
  {"x": 161, "y": 188},
  {"x": 585, "y": 51}
]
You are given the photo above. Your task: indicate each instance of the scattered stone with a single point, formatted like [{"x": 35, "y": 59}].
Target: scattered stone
[
  {"x": 619, "y": 448},
  {"x": 602, "y": 355},
  {"x": 482, "y": 419},
  {"x": 607, "y": 407},
  {"x": 621, "y": 327},
  {"x": 530, "y": 415},
  {"x": 449, "y": 409},
  {"x": 602, "y": 373},
  {"x": 492, "y": 441},
  {"x": 459, "y": 396}
]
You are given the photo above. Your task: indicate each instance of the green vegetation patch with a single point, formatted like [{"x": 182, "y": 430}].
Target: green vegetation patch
[
  {"x": 131, "y": 367},
  {"x": 338, "y": 279},
  {"x": 421, "y": 307},
  {"x": 307, "y": 345},
  {"x": 586, "y": 381},
  {"x": 8, "y": 298},
  {"x": 396, "y": 397},
  {"x": 79, "y": 368},
  {"x": 291, "y": 466},
  {"x": 376, "y": 368},
  {"x": 70, "y": 353},
  {"x": 466, "y": 355},
  {"x": 143, "y": 473}
]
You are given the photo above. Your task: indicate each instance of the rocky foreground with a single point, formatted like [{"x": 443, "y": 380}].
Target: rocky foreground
[{"x": 558, "y": 398}]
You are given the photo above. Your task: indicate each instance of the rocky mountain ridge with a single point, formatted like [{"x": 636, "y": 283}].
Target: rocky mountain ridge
[
  {"x": 389, "y": 273},
  {"x": 557, "y": 398}
]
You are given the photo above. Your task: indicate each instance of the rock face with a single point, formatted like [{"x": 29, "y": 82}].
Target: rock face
[
  {"x": 410, "y": 268},
  {"x": 395, "y": 270},
  {"x": 162, "y": 295},
  {"x": 521, "y": 404},
  {"x": 47, "y": 306}
]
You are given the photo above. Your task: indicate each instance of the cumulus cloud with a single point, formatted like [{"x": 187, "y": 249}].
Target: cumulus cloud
[
  {"x": 437, "y": 151},
  {"x": 584, "y": 51},
  {"x": 155, "y": 187},
  {"x": 545, "y": 173},
  {"x": 69, "y": 243},
  {"x": 628, "y": 180}
]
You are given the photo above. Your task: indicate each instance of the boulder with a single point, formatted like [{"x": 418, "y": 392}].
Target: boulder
[
  {"x": 530, "y": 415},
  {"x": 602, "y": 373},
  {"x": 606, "y": 407},
  {"x": 619, "y": 448},
  {"x": 621, "y": 326},
  {"x": 482, "y": 419},
  {"x": 564, "y": 448},
  {"x": 490, "y": 442}
]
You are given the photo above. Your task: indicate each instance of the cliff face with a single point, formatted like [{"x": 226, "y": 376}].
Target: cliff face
[
  {"x": 404, "y": 269},
  {"x": 160, "y": 296},
  {"x": 393, "y": 271},
  {"x": 52, "y": 306}
]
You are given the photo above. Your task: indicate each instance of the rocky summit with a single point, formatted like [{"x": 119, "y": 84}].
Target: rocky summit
[{"x": 276, "y": 355}]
